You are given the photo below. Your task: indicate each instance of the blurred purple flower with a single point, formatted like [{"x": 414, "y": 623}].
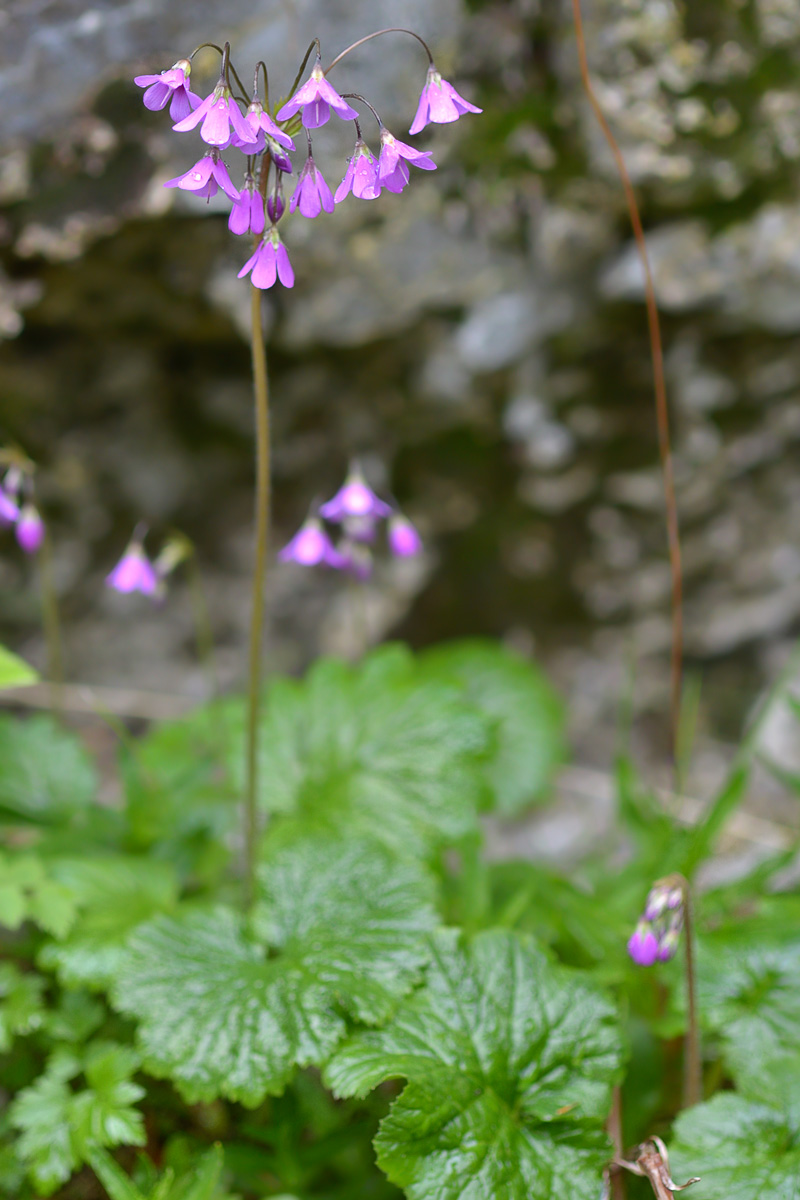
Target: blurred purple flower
[
  {"x": 312, "y": 193},
  {"x": 316, "y": 98},
  {"x": 270, "y": 262},
  {"x": 311, "y": 547},
  {"x": 205, "y": 178},
  {"x": 643, "y": 945},
  {"x": 404, "y": 540},
  {"x": 134, "y": 572},
  {"x": 440, "y": 102},
  {"x": 218, "y": 112},
  {"x": 361, "y": 176},
  {"x": 355, "y": 499},
  {"x": 9, "y": 511},
  {"x": 30, "y": 529},
  {"x": 173, "y": 83},
  {"x": 392, "y": 169}
]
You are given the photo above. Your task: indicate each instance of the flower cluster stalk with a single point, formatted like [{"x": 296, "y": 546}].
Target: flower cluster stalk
[{"x": 261, "y": 396}]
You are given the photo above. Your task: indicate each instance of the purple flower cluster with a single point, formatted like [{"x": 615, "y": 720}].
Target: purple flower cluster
[
  {"x": 657, "y": 933},
  {"x": 358, "y": 511},
  {"x": 18, "y": 510},
  {"x": 257, "y": 206}
]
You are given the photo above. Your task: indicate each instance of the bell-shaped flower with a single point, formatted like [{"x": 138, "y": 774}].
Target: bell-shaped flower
[
  {"x": 355, "y": 499},
  {"x": 134, "y": 572},
  {"x": 29, "y": 530},
  {"x": 361, "y": 176},
  {"x": 205, "y": 178},
  {"x": 218, "y": 112},
  {"x": 440, "y": 102},
  {"x": 312, "y": 193},
  {"x": 270, "y": 262},
  {"x": 279, "y": 156},
  {"x": 643, "y": 945},
  {"x": 9, "y": 510},
  {"x": 247, "y": 214},
  {"x": 316, "y": 98},
  {"x": 394, "y": 159},
  {"x": 311, "y": 547},
  {"x": 404, "y": 541},
  {"x": 172, "y": 85},
  {"x": 262, "y": 123}
]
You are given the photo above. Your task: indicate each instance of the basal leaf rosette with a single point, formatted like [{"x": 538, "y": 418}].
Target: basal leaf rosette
[
  {"x": 374, "y": 750},
  {"x": 741, "y": 1149},
  {"x": 229, "y": 1007},
  {"x": 523, "y": 708},
  {"x": 509, "y": 1062}
]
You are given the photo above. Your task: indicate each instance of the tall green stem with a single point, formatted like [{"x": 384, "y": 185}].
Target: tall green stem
[
  {"x": 692, "y": 1066},
  {"x": 261, "y": 393}
]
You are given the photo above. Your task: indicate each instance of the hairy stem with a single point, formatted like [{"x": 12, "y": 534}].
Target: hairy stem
[
  {"x": 659, "y": 386},
  {"x": 52, "y": 624},
  {"x": 261, "y": 393}
]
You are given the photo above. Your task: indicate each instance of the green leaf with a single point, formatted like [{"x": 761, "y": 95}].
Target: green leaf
[
  {"x": 749, "y": 993},
  {"x": 14, "y": 671},
  {"x": 524, "y": 709},
  {"x": 28, "y": 893},
  {"x": 740, "y": 1150},
  {"x": 113, "y": 895},
  {"x": 46, "y": 776},
  {"x": 21, "y": 1007},
  {"x": 509, "y": 1061},
  {"x": 374, "y": 750},
  {"x": 199, "y": 1184},
  {"x": 344, "y": 923},
  {"x": 58, "y": 1126}
]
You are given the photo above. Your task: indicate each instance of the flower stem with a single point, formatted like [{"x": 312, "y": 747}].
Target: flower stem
[
  {"x": 379, "y": 33},
  {"x": 261, "y": 394},
  {"x": 52, "y": 624},
  {"x": 692, "y": 1067},
  {"x": 659, "y": 387}
]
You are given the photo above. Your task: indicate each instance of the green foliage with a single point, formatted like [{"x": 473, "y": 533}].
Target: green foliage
[
  {"x": 227, "y": 1010},
  {"x": 509, "y": 1062},
  {"x": 198, "y": 1184},
  {"x": 21, "y": 1007},
  {"x": 741, "y": 1149},
  {"x": 59, "y": 1125},
  {"x": 526, "y": 714},
  {"x": 373, "y": 751},
  {"x": 46, "y": 777},
  {"x": 14, "y": 671},
  {"x": 28, "y": 892},
  {"x": 113, "y": 895}
]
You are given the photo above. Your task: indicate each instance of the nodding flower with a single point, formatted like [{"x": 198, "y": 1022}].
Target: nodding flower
[
  {"x": 657, "y": 934},
  {"x": 440, "y": 102},
  {"x": 316, "y": 98},
  {"x": 134, "y": 572}
]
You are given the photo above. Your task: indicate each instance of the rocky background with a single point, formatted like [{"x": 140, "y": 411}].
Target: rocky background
[{"x": 480, "y": 341}]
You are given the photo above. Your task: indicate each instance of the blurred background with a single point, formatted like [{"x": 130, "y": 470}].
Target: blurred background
[{"x": 479, "y": 341}]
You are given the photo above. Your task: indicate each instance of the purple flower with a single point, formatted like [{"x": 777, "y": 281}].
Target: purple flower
[
  {"x": 643, "y": 945},
  {"x": 218, "y": 112},
  {"x": 361, "y": 175},
  {"x": 312, "y": 193},
  {"x": 404, "y": 541},
  {"x": 440, "y": 102},
  {"x": 9, "y": 511},
  {"x": 262, "y": 123},
  {"x": 279, "y": 157},
  {"x": 355, "y": 499},
  {"x": 270, "y": 262},
  {"x": 275, "y": 205},
  {"x": 311, "y": 547},
  {"x": 205, "y": 178},
  {"x": 30, "y": 529},
  {"x": 247, "y": 214},
  {"x": 316, "y": 97},
  {"x": 172, "y": 83},
  {"x": 392, "y": 170},
  {"x": 134, "y": 572},
  {"x": 668, "y": 945}
]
